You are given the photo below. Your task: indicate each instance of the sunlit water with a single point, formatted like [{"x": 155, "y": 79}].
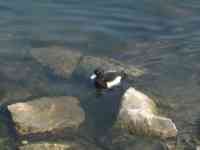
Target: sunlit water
[{"x": 163, "y": 36}]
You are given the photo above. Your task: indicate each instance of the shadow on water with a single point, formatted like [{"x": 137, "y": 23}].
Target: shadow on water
[{"x": 101, "y": 108}]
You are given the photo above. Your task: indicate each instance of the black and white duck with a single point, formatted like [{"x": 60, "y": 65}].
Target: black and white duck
[{"x": 107, "y": 79}]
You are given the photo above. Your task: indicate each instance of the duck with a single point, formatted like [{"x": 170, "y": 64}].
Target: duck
[{"x": 107, "y": 79}]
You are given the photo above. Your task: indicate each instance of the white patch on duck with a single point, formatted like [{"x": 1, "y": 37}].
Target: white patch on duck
[
  {"x": 115, "y": 82},
  {"x": 111, "y": 71},
  {"x": 93, "y": 76}
]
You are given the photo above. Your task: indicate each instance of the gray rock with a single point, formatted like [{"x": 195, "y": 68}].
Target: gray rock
[
  {"x": 138, "y": 116},
  {"x": 61, "y": 60},
  {"x": 53, "y": 114},
  {"x": 89, "y": 63},
  {"x": 64, "y": 61}
]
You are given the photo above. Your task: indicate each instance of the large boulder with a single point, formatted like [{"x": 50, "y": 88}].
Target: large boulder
[
  {"x": 89, "y": 63},
  {"x": 47, "y": 115},
  {"x": 138, "y": 116},
  {"x": 61, "y": 61}
]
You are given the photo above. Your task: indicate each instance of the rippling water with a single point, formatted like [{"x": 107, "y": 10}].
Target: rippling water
[{"x": 162, "y": 36}]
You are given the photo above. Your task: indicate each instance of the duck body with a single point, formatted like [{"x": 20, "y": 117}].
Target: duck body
[{"x": 108, "y": 79}]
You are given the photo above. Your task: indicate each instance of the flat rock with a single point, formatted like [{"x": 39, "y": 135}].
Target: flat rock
[
  {"x": 126, "y": 142},
  {"x": 61, "y": 61},
  {"x": 47, "y": 114},
  {"x": 89, "y": 63},
  {"x": 138, "y": 115},
  {"x": 45, "y": 146},
  {"x": 73, "y": 145}
]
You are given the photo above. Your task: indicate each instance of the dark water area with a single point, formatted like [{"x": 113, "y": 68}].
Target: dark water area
[{"x": 163, "y": 36}]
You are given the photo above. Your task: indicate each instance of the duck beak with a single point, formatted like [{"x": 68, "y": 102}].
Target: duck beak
[{"x": 93, "y": 76}]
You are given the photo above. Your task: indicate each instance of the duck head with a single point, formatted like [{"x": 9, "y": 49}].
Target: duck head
[{"x": 98, "y": 73}]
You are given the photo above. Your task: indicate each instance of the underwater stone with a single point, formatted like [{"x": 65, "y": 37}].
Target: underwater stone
[
  {"x": 61, "y": 61},
  {"x": 72, "y": 145},
  {"x": 89, "y": 63},
  {"x": 45, "y": 146},
  {"x": 47, "y": 114}
]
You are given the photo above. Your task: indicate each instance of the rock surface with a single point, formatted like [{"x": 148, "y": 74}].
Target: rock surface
[
  {"x": 125, "y": 141},
  {"x": 61, "y": 60},
  {"x": 45, "y": 146},
  {"x": 89, "y": 63},
  {"x": 74, "y": 145},
  {"x": 47, "y": 115},
  {"x": 138, "y": 116}
]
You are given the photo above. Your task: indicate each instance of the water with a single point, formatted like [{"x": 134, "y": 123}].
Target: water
[{"x": 162, "y": 36}]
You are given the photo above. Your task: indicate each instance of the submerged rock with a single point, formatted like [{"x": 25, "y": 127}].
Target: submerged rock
[
  {"x": 89, "y": 63},
  {"x": 45, "y": 146},
  {"x": 72, "y": 145},
  {"x": 126, "y": 142},
  {"x": 61, "y": 60},
  {"x": 138, "y": 116},
  {"x": 47, "y": 114}
]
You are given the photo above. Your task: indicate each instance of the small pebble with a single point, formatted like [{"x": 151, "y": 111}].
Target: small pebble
[{"x": 24, "y": 142}]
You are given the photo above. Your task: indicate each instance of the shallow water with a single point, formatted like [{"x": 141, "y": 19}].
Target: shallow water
[{"x": 162, "y": 36}]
